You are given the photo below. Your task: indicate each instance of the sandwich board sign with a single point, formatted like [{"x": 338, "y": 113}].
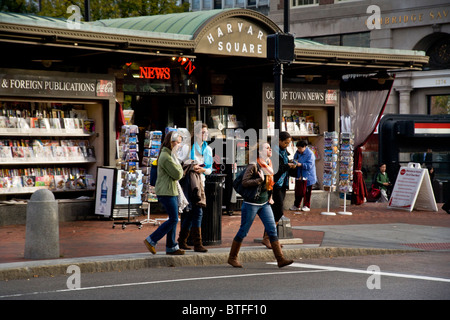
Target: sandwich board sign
[{"x": 413, "y": 190}]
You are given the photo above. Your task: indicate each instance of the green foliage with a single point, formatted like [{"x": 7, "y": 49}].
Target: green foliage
[
  {"x": 99, "y": 9},
  {"x": 19, "y": 6}
]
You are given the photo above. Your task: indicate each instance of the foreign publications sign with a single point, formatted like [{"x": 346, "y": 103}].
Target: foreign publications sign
[
  {"x": 22, "y": 84},
  {"x": 413, "y": 190}
]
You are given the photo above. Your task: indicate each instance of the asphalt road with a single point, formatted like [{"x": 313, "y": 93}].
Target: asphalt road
[{"x": 420, "y": 275}]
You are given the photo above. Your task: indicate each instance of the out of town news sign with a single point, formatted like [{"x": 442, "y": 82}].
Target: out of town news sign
[{"x": 234, "y": 37}]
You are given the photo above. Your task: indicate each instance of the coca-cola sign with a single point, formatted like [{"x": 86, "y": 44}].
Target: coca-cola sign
[{"x": 105, "y": 88}]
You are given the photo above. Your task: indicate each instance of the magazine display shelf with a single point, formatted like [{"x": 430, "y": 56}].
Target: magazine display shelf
[{"x": 75, "y": 179}]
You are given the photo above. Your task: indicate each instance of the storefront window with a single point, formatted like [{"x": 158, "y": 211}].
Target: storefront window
[
  {"x": 168, "y": 75},
  {"x": 439, "y": 104}
]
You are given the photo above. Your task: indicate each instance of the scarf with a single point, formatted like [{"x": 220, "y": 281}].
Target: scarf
[
  {"x": 268, "y": 172},
  {"x": 204, "y": 152}
]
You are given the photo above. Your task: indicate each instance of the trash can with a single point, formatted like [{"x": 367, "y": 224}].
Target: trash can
[{"x": 212, "y": 214}]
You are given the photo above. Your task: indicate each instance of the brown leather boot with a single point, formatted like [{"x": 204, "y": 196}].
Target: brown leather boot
[
  {"x": 196, "y": 234},
  {"x": 182, "y": 239},
  {"x": 266, "y": 241},
  {"x": 282, "y": 262},
  {"x": 234, "y": 251}
]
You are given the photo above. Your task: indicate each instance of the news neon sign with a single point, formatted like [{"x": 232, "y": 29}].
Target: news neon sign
[
  {"x": 164, "y": 73},
  {"x": 154, "y": 73}
]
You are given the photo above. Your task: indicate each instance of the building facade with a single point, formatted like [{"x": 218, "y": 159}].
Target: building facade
[
  {"x": 410, "y": 25},
  {"x": 262, "y": 6},
  {"x": 419, "y": 96}
]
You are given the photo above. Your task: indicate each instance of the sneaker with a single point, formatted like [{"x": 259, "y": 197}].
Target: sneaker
[
  {"x": 294, "y": 208},
  {"x": 150, "y": 247},
  {"x": 305, "y": 208}
]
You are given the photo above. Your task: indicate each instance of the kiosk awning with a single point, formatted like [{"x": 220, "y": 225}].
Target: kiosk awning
[{"x": 228, "y": 32}]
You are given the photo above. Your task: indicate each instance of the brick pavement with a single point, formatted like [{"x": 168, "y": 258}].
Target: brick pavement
[{"x": 97, "y": 237}]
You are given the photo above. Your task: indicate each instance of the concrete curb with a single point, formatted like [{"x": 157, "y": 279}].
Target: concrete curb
[{"x": 48, "y": 268}]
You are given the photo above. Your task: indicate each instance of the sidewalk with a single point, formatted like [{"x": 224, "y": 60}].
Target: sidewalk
[{"x": 98, "y": 247}]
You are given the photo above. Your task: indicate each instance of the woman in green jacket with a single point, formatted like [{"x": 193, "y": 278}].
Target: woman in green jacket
[{"x": 169, "y": 172}]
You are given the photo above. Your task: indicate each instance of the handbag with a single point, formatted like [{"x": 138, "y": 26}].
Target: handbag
[
  {"x": 249, "y": 194},
  {"x": 374, "y": 193},
  {"x": 182, "y": 201}
]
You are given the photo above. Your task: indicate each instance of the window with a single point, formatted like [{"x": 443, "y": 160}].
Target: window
[
  {"x": 361, "y": 39},
  {"x": 195, "y": 5},
  {"x": 330, "y": 40},
  {"x": 297, "y": 3},
  {"x": 439, "y": 104}
]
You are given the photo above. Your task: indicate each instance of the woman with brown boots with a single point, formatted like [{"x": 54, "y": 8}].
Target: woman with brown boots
[
  {"x": 258, "y": 175},
  {"x": 192, "y": 221}
]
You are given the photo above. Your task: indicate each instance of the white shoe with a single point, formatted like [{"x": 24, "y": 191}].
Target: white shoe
[
  {"x": 294, "y": 208},
  {"x": 305, "y": 208}
]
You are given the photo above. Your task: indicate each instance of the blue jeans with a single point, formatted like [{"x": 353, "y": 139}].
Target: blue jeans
[
  {"x": 169, "y": 227},
  {"x": 192, "y": 218},
  {"x": 248, "y": 214}
]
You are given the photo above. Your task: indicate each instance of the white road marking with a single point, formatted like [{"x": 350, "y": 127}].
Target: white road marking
[
  {"x": 160, "y": 282},
  {"x": 389, "y": 274}
]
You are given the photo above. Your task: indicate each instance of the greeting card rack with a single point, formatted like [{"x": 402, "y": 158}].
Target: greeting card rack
[
  {"x": 152, "y": 146},
  {"x": 128, "y": 149},
  {"x": 346, "y": 167},
  {"x": 331, "y": 152}
]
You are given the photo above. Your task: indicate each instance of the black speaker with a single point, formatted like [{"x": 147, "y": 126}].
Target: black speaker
[{"x": 280, "y": 47}]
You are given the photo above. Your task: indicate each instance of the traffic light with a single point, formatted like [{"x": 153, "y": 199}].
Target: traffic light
[{"x": 280, "y": 47}]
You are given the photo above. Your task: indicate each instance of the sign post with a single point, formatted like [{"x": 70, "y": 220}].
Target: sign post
[{"x": 413, "y": 190}]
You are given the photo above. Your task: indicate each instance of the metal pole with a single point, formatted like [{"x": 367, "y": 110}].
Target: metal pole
[
  {"x": 278, "y": 87},
  {"x": 278, "y": 75},
  {"x": 286, "y": 16},
  {"x": 87, "y": 10}
]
